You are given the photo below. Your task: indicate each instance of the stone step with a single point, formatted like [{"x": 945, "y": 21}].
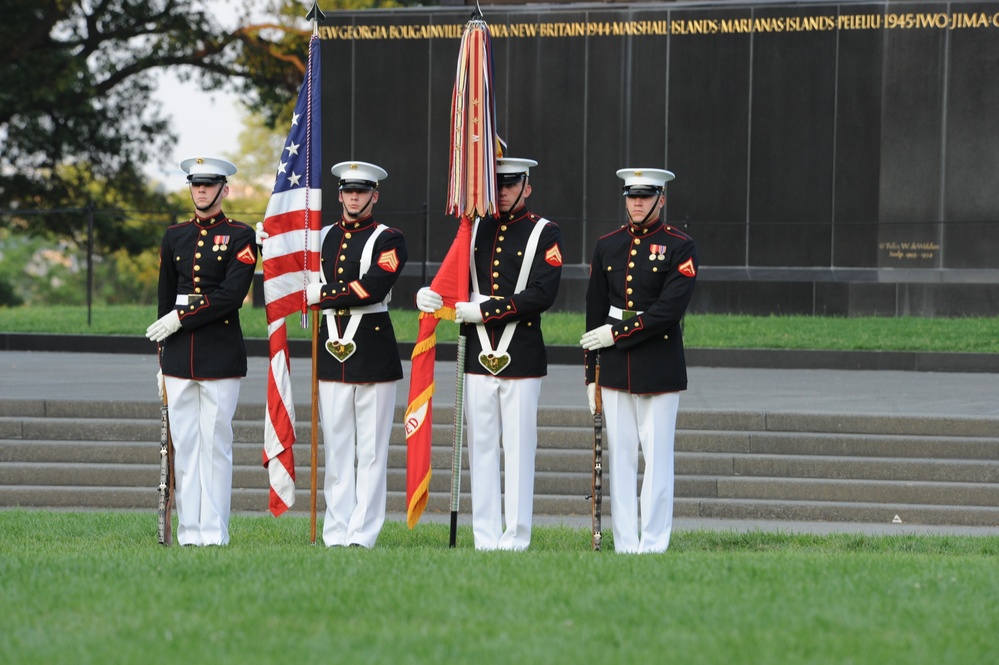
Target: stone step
[
  {"x": 55, "y": 474},
  {"x": 729, "y": 465},
  {"x": 80, "y": 455},
  {"x": 816, "y": 511},
  {"x": 957, "y": 426},
  {"x": 109, "y": 429},
  {"x": 864, "y": 491},
  {"x": 47, "y": 431},
  {"x": 849, "y": 444},
  {"x": 573, "y": 484},
  {"x": 250, "y": 501}
]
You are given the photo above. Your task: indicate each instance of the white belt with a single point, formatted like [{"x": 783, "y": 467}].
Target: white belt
[
  {"x": 496, "y": 360},
  {"x": 622, "y": 314},
  {"x": 343, "y": 347}
]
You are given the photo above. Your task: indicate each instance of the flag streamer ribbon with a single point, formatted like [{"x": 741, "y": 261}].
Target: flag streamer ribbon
[{"x": 472, "y": 182}]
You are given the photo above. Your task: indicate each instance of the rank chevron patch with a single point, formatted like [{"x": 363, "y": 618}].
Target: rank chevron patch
[
  {"x": 388, "y": 260},
  {"x": 553, "y": 256},
  {"x": 687, "y": 268},
  {"x": 247, "y": 256}
]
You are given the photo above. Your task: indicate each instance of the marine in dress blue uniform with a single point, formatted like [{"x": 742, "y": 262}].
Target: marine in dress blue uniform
[
  {"x": 358, "y": 364},
  {"x": 516, "y": 266},
  {"x": 206, "y": 267},
  {"x": 641, "y": 280}
]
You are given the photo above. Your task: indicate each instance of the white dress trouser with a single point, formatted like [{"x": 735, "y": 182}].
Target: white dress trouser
[
  {"x": 502, "y": 409},
  {"x": 200, "y": 415},
  {"x": 357, "y": 422},
  {"x": 648, "y": 421}
]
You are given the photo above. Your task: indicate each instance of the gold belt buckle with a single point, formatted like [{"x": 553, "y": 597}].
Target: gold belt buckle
[
  {"x": 340, "y": 350},
  {"x": 494, "y": 363}
]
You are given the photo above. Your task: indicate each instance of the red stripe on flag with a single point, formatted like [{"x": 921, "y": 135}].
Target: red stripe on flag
[
  {"x": 279, "y": 424},
  {"x": 280, "y": 265}
]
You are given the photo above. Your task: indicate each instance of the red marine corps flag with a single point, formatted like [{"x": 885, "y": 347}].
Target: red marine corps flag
[
  {"x": 471, "y": 194},
  {"x": 291, "y": 252}
]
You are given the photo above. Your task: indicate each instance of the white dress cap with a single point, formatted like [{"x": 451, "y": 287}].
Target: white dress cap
[
  {"x": 207, "y": 169},
  {"x": 512, "y": 169},
  {"x": 644, "y": 182},
  {"x": 358, "y": 175}
]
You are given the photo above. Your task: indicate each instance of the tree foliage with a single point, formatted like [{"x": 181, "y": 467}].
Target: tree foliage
[{"x": 77, "y": 119}]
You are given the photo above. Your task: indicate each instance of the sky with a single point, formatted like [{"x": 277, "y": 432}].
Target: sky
[{"x": 205, "y": 122}]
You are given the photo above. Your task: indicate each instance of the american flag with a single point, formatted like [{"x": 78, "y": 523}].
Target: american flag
[{"x": 291, "y": 260}]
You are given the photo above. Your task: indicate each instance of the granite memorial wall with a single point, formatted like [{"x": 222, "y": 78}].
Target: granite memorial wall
[{"x": 831, "y": 158}]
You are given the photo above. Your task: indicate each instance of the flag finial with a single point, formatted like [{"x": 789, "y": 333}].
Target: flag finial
[{"x": 315, "y": 14}]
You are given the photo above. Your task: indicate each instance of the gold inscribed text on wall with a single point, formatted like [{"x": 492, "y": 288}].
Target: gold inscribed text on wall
[{"x": 692, "y": 27}]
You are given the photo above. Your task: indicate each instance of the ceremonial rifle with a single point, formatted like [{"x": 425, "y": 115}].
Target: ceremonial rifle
[
  {"x": 598, "y": 426},
  {"x": 166, "y": 475}
]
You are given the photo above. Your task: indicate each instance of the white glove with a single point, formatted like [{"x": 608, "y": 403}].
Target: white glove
[
  {"x": 164, "y": 326},
  {"x": 261, "y": 234},
  {"x": 598, "y": 338},
  {"x": 467, "y": 312},
  {"x": 428, "y": 301},
  {"x": 159, "y": 383},
  {"x": 591, "y": 397},
  {"x": 314, "y": 293}
]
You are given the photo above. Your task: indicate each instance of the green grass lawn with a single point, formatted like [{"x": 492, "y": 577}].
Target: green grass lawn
[
  {"x": 978, "y": 335},
  {"x": 96, "y": 588}
]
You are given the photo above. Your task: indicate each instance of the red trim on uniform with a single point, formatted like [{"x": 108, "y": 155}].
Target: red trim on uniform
[
  {"x": 491, "y": 315},
  {"x": 634, "y": 326}
]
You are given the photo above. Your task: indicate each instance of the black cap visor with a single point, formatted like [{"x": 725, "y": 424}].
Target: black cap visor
[
  {"x": 642, "y": 191},
  {"x": 507, "y": 179},
  {"x": 358, "y": 185},
  {"x": 205, "y": 179}
]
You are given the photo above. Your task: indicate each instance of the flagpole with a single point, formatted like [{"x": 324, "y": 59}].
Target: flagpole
[
  {"x": 459, "y": 434},
  {"x": 314, "y": 471},
  {"x": 315, "y": 15},
  {"x": 471, "y": 189}
]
